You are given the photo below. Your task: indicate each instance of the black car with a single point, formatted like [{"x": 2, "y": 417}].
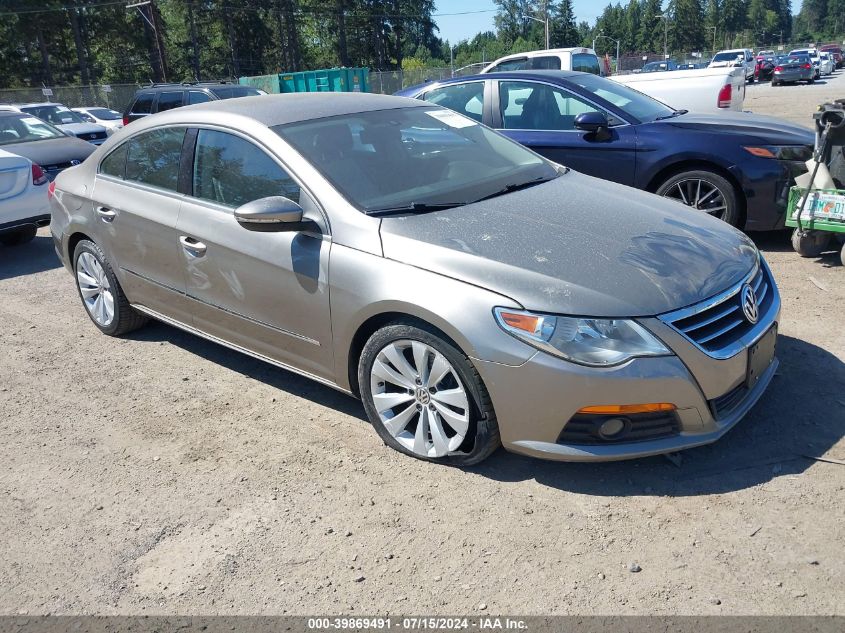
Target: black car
[
  {"x": 40, "y": 142},
  {"x": 161, "y": 97},
  {"x": 736, "y": 166}
]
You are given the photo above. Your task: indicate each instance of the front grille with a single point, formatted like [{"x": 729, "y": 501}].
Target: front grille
[
  {"x": 583, "y": 429},
  {"x": 717, "y": 325},
  {"x": 724, "y": 405},
  {"x": 93, "y": 136}
]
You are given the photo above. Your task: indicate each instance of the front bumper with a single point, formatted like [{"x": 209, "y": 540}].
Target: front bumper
[{"x": 535, "y": 401}]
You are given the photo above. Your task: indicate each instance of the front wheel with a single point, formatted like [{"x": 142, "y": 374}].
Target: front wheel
[
  {"x": 19, "y": 236},
  {"x": 704, "y": 191},
  {"x": 425, "y": 398},
  {"x": 809, "y": 243},
  {"x": 101, "y": 293}
]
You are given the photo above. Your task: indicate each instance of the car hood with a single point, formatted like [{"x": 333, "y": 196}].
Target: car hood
[
  {"x": 766, "y": 129},
  {"x": 54, "y": 151},
  {"x": 81, "y": 128},
  {"x": 578, "y": 245}
]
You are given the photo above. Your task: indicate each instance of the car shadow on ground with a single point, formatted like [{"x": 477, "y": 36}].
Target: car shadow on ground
[
  {"x": 278, "y": 378},
  {"x": 33, "y": 257},
  {"x": 802, "y": 415}
]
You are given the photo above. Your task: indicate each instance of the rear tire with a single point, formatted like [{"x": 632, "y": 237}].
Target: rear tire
[
  {"x": 19, "y": 236},
  {"x": 683, "y": 187},
  {"x": 810, "y": 243},
  {"x": 101, "y": 294},
  {"x": 406, "y": 366}
]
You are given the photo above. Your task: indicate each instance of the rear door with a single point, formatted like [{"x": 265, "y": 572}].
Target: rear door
[
  {"x": 136, "y": 203},
  {"x": 542, "y": 117},
  {"x": 264, "y": 292},
  {"x": 141, "y": 107}
]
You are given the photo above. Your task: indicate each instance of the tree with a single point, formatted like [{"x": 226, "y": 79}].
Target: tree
[
  {"x": 563, "y": 31},
  {"x": 687, "y": 23},
  {"x": 650, "y": 38}
]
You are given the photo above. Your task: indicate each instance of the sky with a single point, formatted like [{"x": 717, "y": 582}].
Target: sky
[{"x": 478, "y": 16}]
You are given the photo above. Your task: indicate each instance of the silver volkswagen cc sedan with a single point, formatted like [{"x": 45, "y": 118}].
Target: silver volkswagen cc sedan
[{"x": 470, "y": 292}]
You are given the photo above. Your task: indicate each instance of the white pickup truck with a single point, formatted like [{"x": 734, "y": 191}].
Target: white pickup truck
[{"x": 701, "y": 90}]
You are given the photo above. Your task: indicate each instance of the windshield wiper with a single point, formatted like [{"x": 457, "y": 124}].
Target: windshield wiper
[
  {"x": 670, "y": 116},
  {"x": 515, "y": 187},
  {"x": 414, "y": 207}
]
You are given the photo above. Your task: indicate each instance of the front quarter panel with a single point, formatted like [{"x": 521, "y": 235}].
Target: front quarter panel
[{"x": 366, "y": 286}]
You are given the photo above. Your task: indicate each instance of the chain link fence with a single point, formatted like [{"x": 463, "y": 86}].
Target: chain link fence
[{"x": 115, "y": 96}]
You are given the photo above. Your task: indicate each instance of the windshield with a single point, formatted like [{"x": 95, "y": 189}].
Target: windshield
[
  {"x": 728, "y": 56},
  {"x": 57, "y": 115},
  {"x": 640, "y": 106},
  {"x": 24, "y": 128},
  {"x": 413, "y": 157},
  {"x": 230, "y": 92},
  {"x": 105, "y": 114}
]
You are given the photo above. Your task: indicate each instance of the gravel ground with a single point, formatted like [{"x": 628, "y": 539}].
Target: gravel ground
[{"x": 163, "y": 474}]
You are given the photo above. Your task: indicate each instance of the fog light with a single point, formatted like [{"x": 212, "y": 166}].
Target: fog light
[{"x": 613, "y": 427}]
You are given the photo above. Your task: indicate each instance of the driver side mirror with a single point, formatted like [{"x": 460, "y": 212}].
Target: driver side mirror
[
  {"x": 273, "y": 214},
  {"x": 593, "y": 123}
]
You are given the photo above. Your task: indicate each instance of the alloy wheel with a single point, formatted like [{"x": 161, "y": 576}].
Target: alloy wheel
[
  {"x": 420, "y": 398},
  {"x": 699, "y": 194},
  {"x": 95, "y": 289}
]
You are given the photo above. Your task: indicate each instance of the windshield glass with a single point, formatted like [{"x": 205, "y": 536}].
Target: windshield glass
[
  {"x": 413, "y": 156},
  {"x": 640, "y": 106},
  {"x": 105, "y": 114},
  {"x": 728, "y": 56},
  {"x": 57, "y": 115},
  {"x": 24, "y": 128}
]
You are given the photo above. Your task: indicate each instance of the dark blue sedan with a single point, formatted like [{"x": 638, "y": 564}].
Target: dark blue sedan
[{"x": 736, "y": 166}]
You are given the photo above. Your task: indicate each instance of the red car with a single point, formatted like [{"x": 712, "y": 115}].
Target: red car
[{"x": 836, "y": 51}]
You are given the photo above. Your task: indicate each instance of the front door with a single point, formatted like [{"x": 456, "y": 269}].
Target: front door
[
  {"x": 542, "y": 117},
  {"x": 265, "y": 292}
]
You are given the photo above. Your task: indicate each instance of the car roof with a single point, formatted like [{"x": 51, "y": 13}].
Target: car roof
[
  {"x": 192, "y": 86},
  {"x": 280, "y": 109},
  {"x": 511, "y": 74}
]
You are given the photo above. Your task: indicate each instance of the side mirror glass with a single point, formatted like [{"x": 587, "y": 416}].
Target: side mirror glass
[{"x": 271, "y": 215}]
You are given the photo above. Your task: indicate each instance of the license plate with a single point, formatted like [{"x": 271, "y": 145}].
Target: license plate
[{"x": 760, "y": 356}]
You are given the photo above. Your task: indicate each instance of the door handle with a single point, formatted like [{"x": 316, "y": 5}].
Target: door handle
[
  {"x": 106, "y": 214},
  {"x": 192, "y": 246}
]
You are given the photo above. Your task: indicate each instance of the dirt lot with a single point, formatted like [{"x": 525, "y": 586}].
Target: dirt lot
[{"x": 163, "y": 474}]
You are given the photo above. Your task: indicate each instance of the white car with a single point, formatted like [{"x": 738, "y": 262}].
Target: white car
[
  {"x": 826, "y": 63},
  {"x": 108, "y": 118},
  {"x": 64, "y": 118},
  {"x": 737, "y": 58},
  {"x": 24, "y": 205},
  {"x": 580, "y": 59},
  {"x": 813, "y": 54}
]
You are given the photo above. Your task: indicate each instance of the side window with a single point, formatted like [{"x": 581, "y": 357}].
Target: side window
[
  {"x": 467, "y": 99},
  {"x": 143, "y": 104},
  {"x": 115, "y": 163},
  {"x": 548, "y": 62},
  {"x": 153, "y": 157},
  {"x": 535, "y": 106},
  {"x": 520, "y": 63},
  {"x": 169, "y": 100},
  {"x": 195, "y": 96},
  {"x": 586, "y": 63},
  {"x": 231, "y": 171}
]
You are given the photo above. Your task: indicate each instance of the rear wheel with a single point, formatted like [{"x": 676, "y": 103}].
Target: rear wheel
[
  {"x": 19, "y": 236},
  {"x": 705, "y": 191},
  {"x": 425, "y": 398},
  {"x": 810, "y": 243},
  {"x": 101, "y": 293}
]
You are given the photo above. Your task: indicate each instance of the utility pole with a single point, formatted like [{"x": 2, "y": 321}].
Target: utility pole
[
  {"x": 151, "y": 21},
  {"x": 544, "y": 21},
  {"x": 714, "y": 38},
  {"x": 665, "y": 19}
]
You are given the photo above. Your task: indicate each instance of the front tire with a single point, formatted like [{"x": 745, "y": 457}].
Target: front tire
[
  {"x": 810, "y": 243},
  {"x": 705, "y": 191},
  {"x": 19, "y": 236},
  {"x": 424, "y": 396},
  {"x": 100, "y": 292}
]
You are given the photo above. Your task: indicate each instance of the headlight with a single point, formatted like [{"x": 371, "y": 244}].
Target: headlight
[
  {"x": 800, "y": 153},
  {"x": 594, "y": 342}
]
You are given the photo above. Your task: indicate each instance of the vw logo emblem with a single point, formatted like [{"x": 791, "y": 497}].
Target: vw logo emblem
[
  {"x": 423, "y": 397},
  {"x": 748, "y": 301}
]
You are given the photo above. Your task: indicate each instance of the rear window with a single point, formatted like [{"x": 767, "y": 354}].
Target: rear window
[
  {"x": 727, "y": 56},
  {"x": 143, "y": 104},
  {"x": 232, "y": 92},
  {"x": 586, "y": 63},
  {"x": 546, "y": 62},
  {"x": 511, "y": 64}
]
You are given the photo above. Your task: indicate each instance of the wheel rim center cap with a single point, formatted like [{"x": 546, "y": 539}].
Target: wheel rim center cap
[{"x": 423, "y": 396}]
